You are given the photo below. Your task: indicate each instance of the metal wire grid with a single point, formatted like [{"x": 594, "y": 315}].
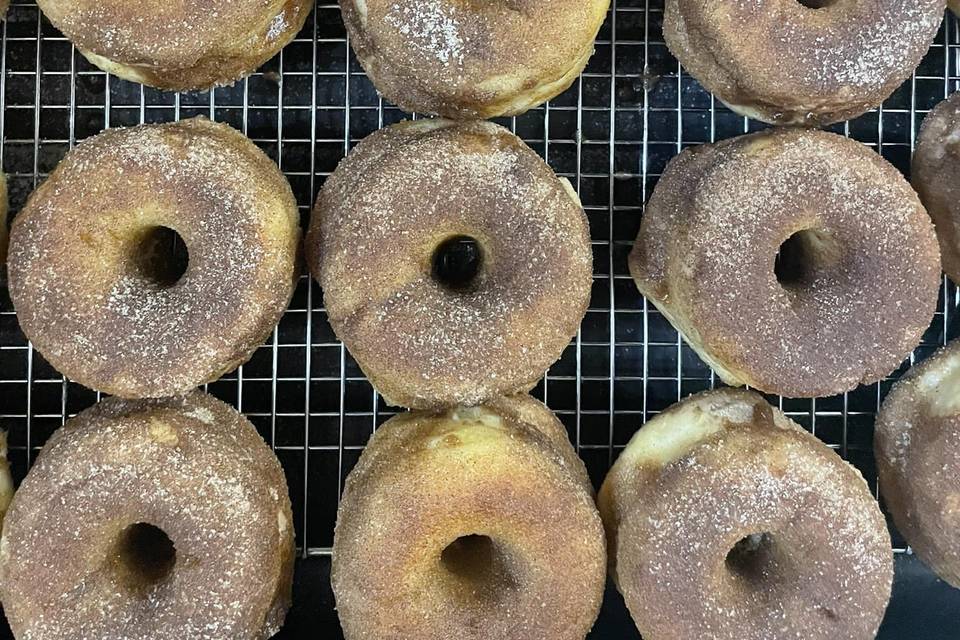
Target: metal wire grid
[{"x": 611, "y": 134}]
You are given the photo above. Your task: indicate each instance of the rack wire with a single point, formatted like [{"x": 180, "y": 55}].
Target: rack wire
[{"x": 611, "y": 134}]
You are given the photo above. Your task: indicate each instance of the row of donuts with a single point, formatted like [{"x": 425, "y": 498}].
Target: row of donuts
[
  {"x": 159, "y": 328},
  {"x": 484, "y": 60}
]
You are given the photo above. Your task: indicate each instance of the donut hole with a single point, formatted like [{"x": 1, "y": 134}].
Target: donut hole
[
  {"x": 145, "y": 556},
  {"x": 804, "y": 256},
  {"x": 817, "y": 4},
  {"x": 752, "y": 557},
  {"x": 457, "y": 262},
  {"x": 161, "y": 256},
  {"x": 478, "y": 568}
]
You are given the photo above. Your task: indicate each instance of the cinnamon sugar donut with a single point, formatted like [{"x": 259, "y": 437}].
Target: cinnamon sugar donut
[
  {"x": 954, "y": 6},
  {"x": 845, "y": 56},
  {"x": 150, "y": 520},
  {"x": 936, "y": 177},
  {"x": 6, "y": 479},
  {"x": 182, "y": 46},
  {"x": 98, "y": 287},
  {"x": 797, "y": 262},
  {"x": 727, "y": 520},
  {"x": 387, "y": 227},
  {"x": 917, "y": 445},
  {"x": 473, "y": 59},
  {"x": 508, "y": 546}
]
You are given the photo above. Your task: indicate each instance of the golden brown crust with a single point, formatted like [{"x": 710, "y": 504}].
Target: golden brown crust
[
  {"x": 917, "y": 446},
  {"x": 502, "y": 478},
  {"x": 862, "y": 293},
  {"x": 735, "y": 468},
  {"x": 183, "y": 45},
  {"x": 77, "y": 290},
  {"x": 936, "y": 177},
  {"x": 192, "y": 467},
  {"x": 6, "y": 479},
  {"x": 467, "y": 59},
  {"x": 4, "y": 6},
  {"x": 845, "y": 57},
  {"x": 378, "y": 220},
  {"x": 954, "y": 6}
]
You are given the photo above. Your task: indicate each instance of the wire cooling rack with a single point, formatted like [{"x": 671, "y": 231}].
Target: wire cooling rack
[{"x": 611, "y": 134}]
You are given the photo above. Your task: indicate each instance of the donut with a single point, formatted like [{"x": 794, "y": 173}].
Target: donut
[
  {"x": 725, "y": 519},
  {"x": 99, "y": 285},
  {"x": 467, "y": 60},
  {"x": 796, "y": 262},
  {"x": 508, "y": 546},
  {"x": 936, "y": 177},
  {"x": 150, "y": 520},
  {"x": 455, "y": 265},
  {"x": 917, "y": 447},
  {"x": 185, "y": 45},
  {"x": 954, "y": 6},
  {"x": 6, "y": 479},
  {"x": 846, "y": 56}
]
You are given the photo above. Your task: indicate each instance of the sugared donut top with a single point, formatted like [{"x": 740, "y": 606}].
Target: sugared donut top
[
  {"x": 724, "y": 472},
  {"x": 936, "y": 176},
  {"x": 858, "y": 279},
  {"x": 462, "y": 58},
  {"x": 82, "y": 280},
  {"x": 377, "y": 226},
  {"x": 803, "y": 61},
  {"x": 186, "y": 35},
  {"x": 917, "y": 444},
  {"x": 189, "y": 466}
]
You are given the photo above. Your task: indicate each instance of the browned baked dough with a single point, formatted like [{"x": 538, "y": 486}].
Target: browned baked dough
[
  {"x": 466, "y": 59},
  {"x": 813, "y": 62},
  {"x": 377, "y": 224},
  {"x": 954, "y": 6},
  {"x": 936, "y": 177},
  {"x": 4, "y": 6},
  {"x": 150, "y": 520},
  {"x": 727, "y": 520},
  {"x": 6, "y": 479},
  {"x": 81, "y": 266},
  {"x": 476, "y": 524},
  {"x": 856, "y": 285},
  {"x": 917, "y": 446},
  {"x": 179, "y": 45}
]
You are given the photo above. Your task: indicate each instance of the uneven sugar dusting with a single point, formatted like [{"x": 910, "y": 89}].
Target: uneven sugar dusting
[
  {"x": 94, "y": 317},
  {"x": 391, "y": 203}
]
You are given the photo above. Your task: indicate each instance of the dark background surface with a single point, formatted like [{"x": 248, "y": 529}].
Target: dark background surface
[{"x": 611, "y": 134}]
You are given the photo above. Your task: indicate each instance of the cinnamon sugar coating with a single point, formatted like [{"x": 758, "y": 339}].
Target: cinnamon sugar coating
[
  {"x": 936, "y": 177},
  {"x": 725, "y": 519},
  {"x": 473, "y": 523},
  {"x": 398, "y": 196},
  {"x": 181, "y": 45},
  {"x": 76, "y": 269},
  {"x": 466, "y": 59},
  {"x": 917, "y": 446},
  {"x": 858, "y": 274},
  {"x": 786, "y": 62},
  {"x": 193, "y": 468}
]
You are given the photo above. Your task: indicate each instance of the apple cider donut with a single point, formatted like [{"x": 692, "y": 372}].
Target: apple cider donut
[
  {"x": 809, "y": 62},
  {"x": 150, "y": 520},
  {"x": 97, "y": 277},
  {"x": 508, "y": 546},
  {"x": 725, "y": 519},
  {"x": 797, "y": 262},
  {"x": 917, "y": 446},
  {"x": 455, "y": 265},
  {"x": 466, "y": 59},
  {"x": 936, "y": 177},
  {"x": 184, "y": 45}
]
